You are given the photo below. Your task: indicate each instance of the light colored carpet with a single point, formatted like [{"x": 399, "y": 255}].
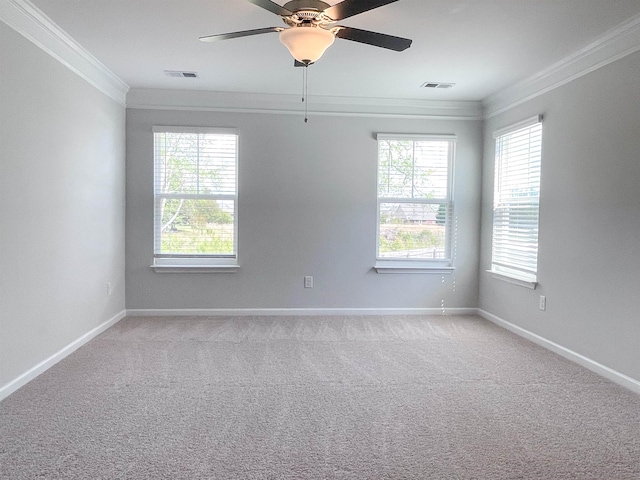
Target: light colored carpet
[{"x": 318, "y": 398}]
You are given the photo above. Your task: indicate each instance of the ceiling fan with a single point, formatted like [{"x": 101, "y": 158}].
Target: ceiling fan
[{"x": 311, "y": 28}]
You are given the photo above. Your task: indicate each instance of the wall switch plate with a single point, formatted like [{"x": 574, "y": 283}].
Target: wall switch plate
[
  {"x": 542, "y": 304},
  {"x": 308, "y": 281},
  {"x": 109, "y": 288}
]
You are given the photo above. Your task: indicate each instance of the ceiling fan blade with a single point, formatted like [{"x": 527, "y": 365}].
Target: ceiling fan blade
[
  {"x": 272, "y": 7},
  {"x": 372, "y": 38},
  {"x": 349, "y": 8},
  {"x": 244, "y": 33}
]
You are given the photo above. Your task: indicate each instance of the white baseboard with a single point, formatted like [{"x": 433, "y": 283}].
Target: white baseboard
[
  {"x": 32, "y": 373},
  {"x": 602, "y": 370},
  {"x": 243, "y": 312}
]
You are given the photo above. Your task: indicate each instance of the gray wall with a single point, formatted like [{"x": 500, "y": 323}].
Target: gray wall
[
  {"x": 61, "y": 206},
  {"x": 589, "y": 251},
  {"x": 307, "y": 206}
]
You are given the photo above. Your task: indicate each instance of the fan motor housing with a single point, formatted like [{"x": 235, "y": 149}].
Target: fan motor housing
[{"x": 297, "y": 5}]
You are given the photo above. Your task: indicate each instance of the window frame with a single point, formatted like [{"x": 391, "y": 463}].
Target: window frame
[
  {"x": 418, "y": 265},
  {"x": 510, "y": 272},
  {"x": 195, "y": 263}
]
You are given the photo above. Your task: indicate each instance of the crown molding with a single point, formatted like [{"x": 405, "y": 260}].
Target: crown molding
[
  {"x": 617, "y": 43},
  {"x": 33, "y": 24},
  {"x": 236, "y": 102}
]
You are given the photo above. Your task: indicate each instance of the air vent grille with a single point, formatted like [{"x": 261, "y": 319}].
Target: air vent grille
[
  {"x": 437, "y": 85},
  {"x": 179, "y": 74}
]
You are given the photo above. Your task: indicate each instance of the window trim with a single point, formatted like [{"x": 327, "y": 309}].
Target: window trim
[
  {"x": 417, "y": 265},
  {"x": 513, "y": 279},
  {"x": 506, "y": 273},
  {"x": 194, "y": 263},
  {"x": 527, "y": 122}
]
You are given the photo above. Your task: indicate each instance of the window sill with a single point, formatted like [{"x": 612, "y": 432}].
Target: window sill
[
  {"x": 195, "y": 268},
  {"x": 382, "y": 268},
  {"x": 522, "y": 282}
]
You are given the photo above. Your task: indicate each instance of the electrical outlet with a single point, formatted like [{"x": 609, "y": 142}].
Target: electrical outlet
[
  {"x": 542, "y": 303},
  {"x": 308, "y": 281}
]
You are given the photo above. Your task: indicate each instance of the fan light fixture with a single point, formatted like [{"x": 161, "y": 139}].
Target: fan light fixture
[
  {"x": 311, "y": 29},
  {"x": 307, "y": 43}
]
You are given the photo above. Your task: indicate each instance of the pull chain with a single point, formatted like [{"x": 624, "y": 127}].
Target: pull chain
[{"x": 304, "y": 92}]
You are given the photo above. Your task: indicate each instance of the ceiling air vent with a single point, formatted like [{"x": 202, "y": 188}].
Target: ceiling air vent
[
  {"x": 178, "y": 74},
  {"x": 437, "y": 85}
]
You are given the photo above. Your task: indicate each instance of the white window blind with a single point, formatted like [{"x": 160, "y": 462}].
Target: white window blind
[
  {"x": 415, "y": 202},
  {"x": 195, "y": 194},
  {"x": 516, "y": 200}
]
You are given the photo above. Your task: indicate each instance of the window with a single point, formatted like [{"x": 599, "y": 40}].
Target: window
[
  {"x": 415, "y": 203},
  {"x": 195, "y": 198},
  {"x": 516, "y": 201}
]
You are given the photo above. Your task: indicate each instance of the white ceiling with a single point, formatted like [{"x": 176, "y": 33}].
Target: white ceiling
[{"x": 482, "y": 46}]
